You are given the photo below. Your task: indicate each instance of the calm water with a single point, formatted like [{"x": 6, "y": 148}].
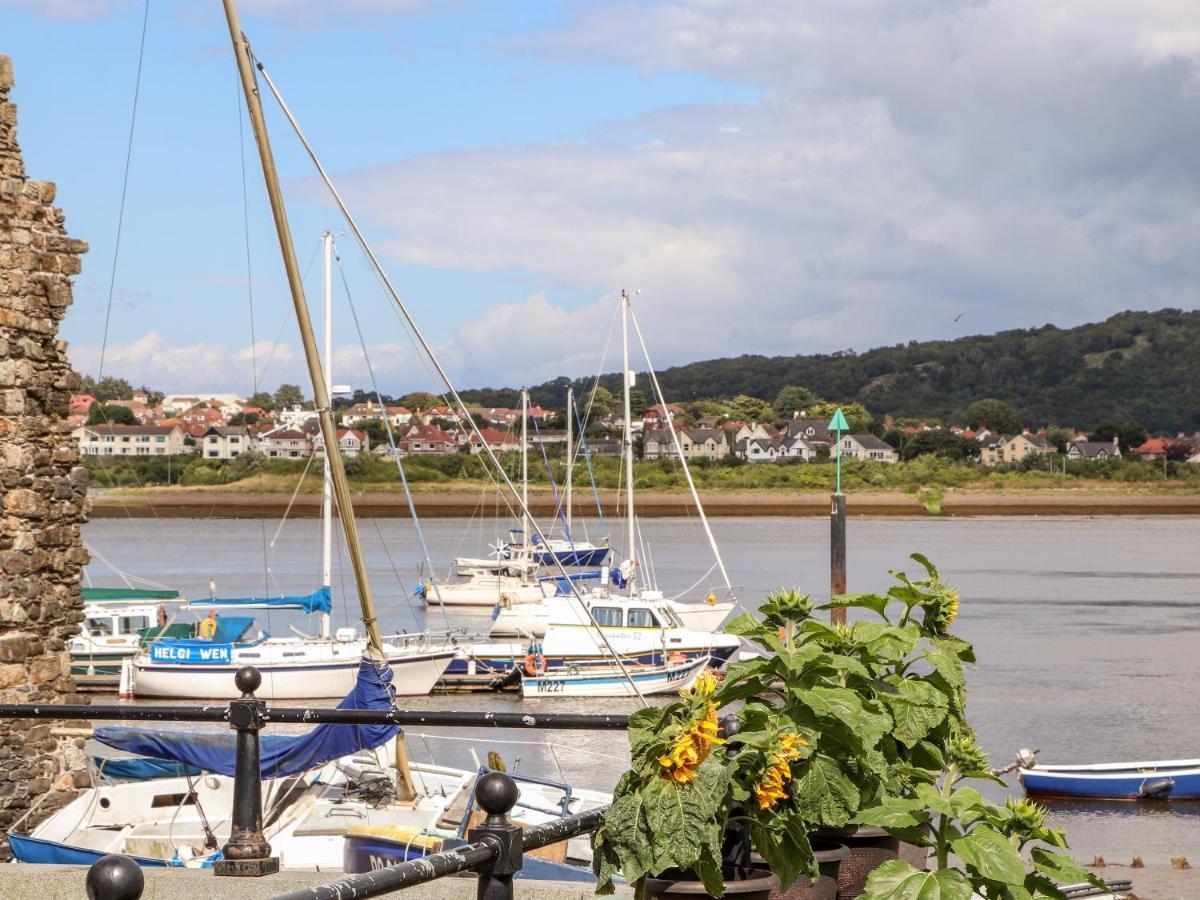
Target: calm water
[{"x": 1086, "y": 629}]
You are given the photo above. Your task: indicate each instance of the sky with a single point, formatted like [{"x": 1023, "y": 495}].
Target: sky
[{"x": 763, "y": 176}]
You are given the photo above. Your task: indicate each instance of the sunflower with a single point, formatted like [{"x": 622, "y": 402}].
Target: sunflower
[
  {"x": 696, "y": 738},
  {"x": 770, "y": 787},
  {"x": 941, "y": 611}
]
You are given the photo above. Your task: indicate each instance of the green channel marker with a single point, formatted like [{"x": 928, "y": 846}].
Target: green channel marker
[{"x": 839, "y": 424}]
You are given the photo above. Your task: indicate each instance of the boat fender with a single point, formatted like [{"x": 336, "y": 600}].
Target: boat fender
[
  {"x": 505, "y": 601},
  {"x": 1156, "y": 787},
  {"x": 572, "y": 669}
]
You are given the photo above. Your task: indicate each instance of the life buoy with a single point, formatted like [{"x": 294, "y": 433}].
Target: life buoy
[
  {"x": 676, "y": 659},
  {"x": 535, "y": 663},
  {"x": 208, "y": 627}
]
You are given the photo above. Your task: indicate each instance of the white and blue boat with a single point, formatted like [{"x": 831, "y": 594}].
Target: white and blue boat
[{"x": 1177, "y": 779}]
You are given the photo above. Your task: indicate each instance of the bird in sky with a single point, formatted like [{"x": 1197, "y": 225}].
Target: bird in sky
[{"x": 959, "y": 316}]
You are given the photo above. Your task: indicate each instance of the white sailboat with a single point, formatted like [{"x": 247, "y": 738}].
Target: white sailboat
[
  {"x": 322, "y": 666},
  {"x": 707, "y": 615}
]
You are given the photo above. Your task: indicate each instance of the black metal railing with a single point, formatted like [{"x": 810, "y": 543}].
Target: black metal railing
[{"x": 496, "y": 846}]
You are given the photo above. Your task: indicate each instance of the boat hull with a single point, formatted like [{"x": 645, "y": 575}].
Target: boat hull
[
  {"x": 611, "y": 682},
  {"x": 532, "y": 618},
  {"x": 414, "y": 675},
  {"x": 28, "y": 849},
  {"x": 1120, "y": 781}
]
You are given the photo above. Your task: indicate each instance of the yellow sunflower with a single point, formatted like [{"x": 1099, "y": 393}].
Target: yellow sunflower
[
  {"x": 698, "y": 736},
  {"x": 770, "y": 788}
]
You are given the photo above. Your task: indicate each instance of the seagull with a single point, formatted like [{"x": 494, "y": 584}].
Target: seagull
[{"x": 959, "y": 316}]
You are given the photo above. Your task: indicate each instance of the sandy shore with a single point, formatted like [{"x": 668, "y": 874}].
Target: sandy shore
[{"x": 193, "y": 502}]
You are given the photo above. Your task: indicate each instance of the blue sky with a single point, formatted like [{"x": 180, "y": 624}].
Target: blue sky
[{"x": 774, "y": 177}]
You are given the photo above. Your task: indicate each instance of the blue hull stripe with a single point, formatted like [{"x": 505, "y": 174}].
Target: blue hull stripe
[{"x": 1116, "y": 787}]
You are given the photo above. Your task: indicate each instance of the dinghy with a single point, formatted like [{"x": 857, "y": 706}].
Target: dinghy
[{"x": 1177, "y": 779}]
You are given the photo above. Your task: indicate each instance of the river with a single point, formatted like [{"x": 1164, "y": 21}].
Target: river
[{"x": 1085, "y": 628}]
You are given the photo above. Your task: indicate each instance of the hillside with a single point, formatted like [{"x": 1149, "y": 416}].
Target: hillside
[{"x": 1135, "y": 365}]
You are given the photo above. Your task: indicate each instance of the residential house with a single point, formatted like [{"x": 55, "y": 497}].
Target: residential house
[
  {"x": 284, "y": 443},
  {"x": 361, "y": 412},
  {"x": 756, "y": 431},
  {"x": 1094, "y": 449},
  {"x": 1021, "y": 446},
  {"x": 656, "y": 416},
  {"x": 695, "y": 443},
  {"x": 867, "y": 446},
  {"x": 130, "y": 440},
  {"x": 80, "y": 404},
  {"x": 1153, "y": 448},
  {"x": 499, "y": 441},
  {"x": 776, "y": 448},
  {"x": 203, "y": 414},
  {"x": 224, "y": 442},
  {"x": 350, "y": 442},
  {"x": 991, "y": 451},
  {"x": 427, "y": 439},
  {"x": 813, "y": 431},
  {"x": 177, "y": 403}
]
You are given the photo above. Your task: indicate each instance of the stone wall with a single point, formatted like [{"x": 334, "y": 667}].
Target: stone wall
[{"x": 43, "y": 490}]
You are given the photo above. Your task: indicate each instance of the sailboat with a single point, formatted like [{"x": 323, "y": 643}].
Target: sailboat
[
  {"x": 322, "y": 666},
  {"x": 706, "y": 616}
]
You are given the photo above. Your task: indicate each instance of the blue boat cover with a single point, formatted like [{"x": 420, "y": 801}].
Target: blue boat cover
[
  {"x": 562, "y": 586},
  {"x": 141, "y": 768},
  {"x": 320, "y": 600},
  {"x": 281, "y": 755}
]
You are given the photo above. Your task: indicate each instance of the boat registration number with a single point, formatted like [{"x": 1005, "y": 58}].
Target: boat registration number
[{"x": 550, "y": 686}]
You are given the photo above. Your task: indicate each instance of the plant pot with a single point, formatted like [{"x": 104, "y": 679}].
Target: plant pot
[
  {"x": 685, "y": 886},
  {"x": 829, "y": 855},
  {"x": 869, "y": 848}
]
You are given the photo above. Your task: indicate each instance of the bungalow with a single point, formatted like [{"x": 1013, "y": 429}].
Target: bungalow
[
  {"x": 1094, "y": 449},
  {"x": 1153, "y": 448},
  {"x": 130, "y": 440},
  {"x": 867, "y": 446},
  {"x": 498, "y": 441},
  {"x": 695, "y": 443},
  {"x": 427, "y": 439},
  {"x": 224, "y": 443}
]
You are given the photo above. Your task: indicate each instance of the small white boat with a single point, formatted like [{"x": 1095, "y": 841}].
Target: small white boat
[
  {"x": 531, "y": 619},
  {"x": 110, "y": 633},
  {"x": 291, "y": 668},
  {"x": 485, "y": 591},
  {"x": 611, "y": 681}
]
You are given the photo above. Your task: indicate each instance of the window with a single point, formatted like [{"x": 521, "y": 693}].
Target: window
[
  {"x": 161, "y": 439},
  {"x": 99, "y": 627},
  {"x": 130, "y": 624},
  {"x": 607, "y": 616},
  {"x": 642, "y": 618},
  {"x": 125, "y": 439}
]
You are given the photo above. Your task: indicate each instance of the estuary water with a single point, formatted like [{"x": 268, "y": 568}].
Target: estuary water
[{"x": 1086, "y": 629}]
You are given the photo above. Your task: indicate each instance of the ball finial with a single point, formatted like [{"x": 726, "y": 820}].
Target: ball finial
[
  {"x": 247, "y": 680},
  {"x": 496, "y": 793},
  {"x": 115, "y": 877}
]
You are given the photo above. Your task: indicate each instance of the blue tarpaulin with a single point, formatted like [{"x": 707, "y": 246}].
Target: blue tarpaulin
[
  {"x": 320, "y": 600},
  {"x": 281, "y": 755}
]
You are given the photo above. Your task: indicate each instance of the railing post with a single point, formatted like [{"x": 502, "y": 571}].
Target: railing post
[
  {"x": 496, "y": 794},
  {"x": 247, "y": 853},
  {"x": 115, "y": 877}
]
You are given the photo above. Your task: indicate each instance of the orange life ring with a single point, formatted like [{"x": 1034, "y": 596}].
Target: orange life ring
[
  {"x": 208, "y": 627},
  {"x": 535, "y": 663}
]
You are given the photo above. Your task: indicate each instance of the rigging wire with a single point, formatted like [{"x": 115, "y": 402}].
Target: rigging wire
[{"x": 460, "y": 407}]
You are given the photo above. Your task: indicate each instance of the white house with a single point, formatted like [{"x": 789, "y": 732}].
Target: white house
[
  {"x": 1094, "y": 449},
  {"x": 130, "y": 440},
  {"x": 867, "y": 446},
  {"x": 283, "y": 443},
  {"x": 224, "y": 443},
  {"x": 350, "y": 442},
  {"x": 755, "y": 431}
]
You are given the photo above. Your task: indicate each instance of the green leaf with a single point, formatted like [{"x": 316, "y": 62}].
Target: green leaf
[
  {"x": 744, "y": 625},
  {"x": 846, "y": 706},
  {"x": 823, "y": 793},
  {"x": 1062, "y": 868},
  {"x": 930, "y": 570},
  {"x": 897, "y": 880},
  {"x": 783, "y": 843},
  {"x": 895, "y": 812},
  {"x": 917, "y": 707},
  {"x": 991, "y": 855},
  {"x": 678, "y": 815},
  {"x": 873, "y": 602},
  {"x": 624, "y": 835}
]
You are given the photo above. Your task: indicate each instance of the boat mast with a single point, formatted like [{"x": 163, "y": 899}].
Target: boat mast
[
  {"x": 341, "y": 489},
  {"x": 570, "y": 458},
  {"x": 525, "y": 469},
  {"x": 327, "y": 480},
  {"x": 626, "y": 377}
]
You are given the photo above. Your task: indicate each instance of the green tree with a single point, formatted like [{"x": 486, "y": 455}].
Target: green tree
[
  {"x": 1128, "y": 434},
  {"x": 858, "y": 417},
  {"x": 994, "y": 415},
  {"x": 110, "y": 414},
  {"x": 751, "y": 409},
  {"x": 153, "y": 397},
  {"x": 1059, "y": 437},
  {"x": 107, "y": 388},
  {"x": 376, "y": 430},
  {"x": 946, "y": 444},
  {"x": 602, "y": 403},
  {"x": 419, "y": 401},
  {"x": 1179, "y": 450},
  {"x": 792, "y": 399},
  {"x": 287, "y": 395},
  {"x": 261, "y": 399}
]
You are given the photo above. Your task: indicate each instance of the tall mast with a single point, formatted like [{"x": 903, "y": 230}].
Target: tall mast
[
  {"x": 341, "y": 489},
  {"x": 327, "y": 485},
  {"x": 626, "y": 378},
  {"x": 525, "y": 469},
  {"x": 570, "y": 456}
]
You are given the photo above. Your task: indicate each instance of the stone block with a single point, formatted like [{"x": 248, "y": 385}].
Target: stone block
[
  {"x": 12, "y": 674},
  {"x": 44, "y": 668}
]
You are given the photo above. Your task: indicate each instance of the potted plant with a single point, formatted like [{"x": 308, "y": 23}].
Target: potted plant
[{"x": 836, "y": 722}]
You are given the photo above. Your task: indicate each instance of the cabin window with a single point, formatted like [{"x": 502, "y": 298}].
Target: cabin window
[
  {"x": 99, "y": 626},
  {"x": 642, "y": 618},
  {"x": 607, "y": 616},
  {"x": 670, "y": 617},
  {"x": 130, "y": 624}
]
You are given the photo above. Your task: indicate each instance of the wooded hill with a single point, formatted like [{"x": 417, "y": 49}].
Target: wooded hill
[{"x": 1143, "y": 366}]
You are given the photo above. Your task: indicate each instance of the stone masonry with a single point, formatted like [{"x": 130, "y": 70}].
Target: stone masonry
[{"x": 43, "y": 490}]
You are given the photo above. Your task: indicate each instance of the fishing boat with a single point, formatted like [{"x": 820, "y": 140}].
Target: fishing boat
[
  {"x": 1154, "y": 780},
  {"x": 116, "y": 621},
  {"x": 612, "y": 681}
]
